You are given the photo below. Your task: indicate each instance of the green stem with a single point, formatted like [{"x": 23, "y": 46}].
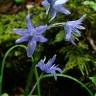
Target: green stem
[
  {"x": 72, "y": 78},
  {"x": 31, "y": 92},
  {"x": 56, "y": 25},
  {"x": 3, "y": 64},
  {"x": 29, "y": 78},
  {"x": 38, "y": 82}
]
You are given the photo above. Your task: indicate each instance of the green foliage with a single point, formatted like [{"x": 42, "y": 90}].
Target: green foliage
[
  {"x": 93, "y": 79},
  {"x": 91, "y": 4},
  {"x": 80, "y": 56},
  {"x": 59, "y": 36},
  {"x": 7, "y": 23},
  {"x": 4, "y": 94},
  {"x": 77, "y": 56},
  {"x": 10, "y": 21},
  {"x": 19, "y": 1}
]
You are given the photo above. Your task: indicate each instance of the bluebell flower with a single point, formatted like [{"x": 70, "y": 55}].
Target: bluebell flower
[
  {"x": 54, "y": 6},
  {"x": 49, "y": 67},
  {"x": 31, "y": 34},
  {"x": 72, "y": 28}
]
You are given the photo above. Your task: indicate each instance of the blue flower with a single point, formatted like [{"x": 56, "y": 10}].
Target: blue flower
[
  {"x": 31, "y": 34},
  {"x": 54, "y": 6},
  {"x": 72, "y": 28},
  {"x": 49, "y": 67}
]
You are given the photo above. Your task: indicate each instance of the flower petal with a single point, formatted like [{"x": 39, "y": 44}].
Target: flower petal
[
  {"x": 51, "y": 61},
  {"x": 61, "y": 9},
  {"x": 31, "y": 48},
  {"x": 41, "y": 39},
  {"x": 72, "y": 41},
  {"x": 59, "y": 70},
  {"x": 54, "y": 74},
  {"x": 41, "y": 65},
  {"x": 53, "y": 14},
  {"x": 30, "y": 27},
  {"x": 50, "y": 1},
  {"x": 49, "y": 67},
  {"x": 77, "y": 31},
  {"x": 22, "y": 39},
  {"x": 68, "y": 31},
  {"x": 56, "y": 68},
  {"x": 20, "y": 31},
  {"x": 45, "y": 3},
  {"x": 82, "y": 18},
  {"x": 41, "y": 29},
  {"x": 60, "y": 2},
  {"x": 79, "y": 21}
]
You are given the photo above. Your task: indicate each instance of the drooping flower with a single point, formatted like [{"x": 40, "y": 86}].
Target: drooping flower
[
  {"x": 49, "y": 67},
  {"x": 54, "y": 6},
  {"x": 73, "y": 27},
  {"x": 31, "y": 34}
]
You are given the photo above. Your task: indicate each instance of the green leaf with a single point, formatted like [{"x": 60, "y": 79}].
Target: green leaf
[
  {"x": 59, "y": 37},
  {"x": 19, "y": 1},
  {"x": 95, "y": 94},
  {"x": 88, "y": 2},
  {"x": 91, "y": 4},
  {"x": 5, "y": 94},
  {"x": 93, "y": 79},
  {"x": 93, "y": 7}
]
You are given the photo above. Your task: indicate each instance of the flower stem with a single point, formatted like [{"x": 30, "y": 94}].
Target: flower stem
[
  {"x": 38, "y": 82},
  {"x": 56, "y": 25},
  {"x": 31, "y": 92},
  {"x": 3, "y": 64},
  {"x": 72, "y": 78},
  {"x": 28, "y": 83}
]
